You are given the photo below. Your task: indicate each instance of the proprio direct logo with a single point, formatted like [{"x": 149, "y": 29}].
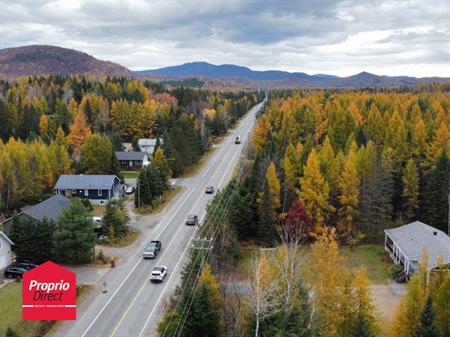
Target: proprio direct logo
[{"x": 49, "y": 293}]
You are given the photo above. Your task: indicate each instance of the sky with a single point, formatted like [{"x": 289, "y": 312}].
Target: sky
[{"x": 313, "y": 36}]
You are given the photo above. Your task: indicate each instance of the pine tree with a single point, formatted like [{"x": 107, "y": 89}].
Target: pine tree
[
  {"x": 410, "y": 193},
  {"x": 441, "y": 301},
  {"x": 74, "y": 238},
  {"x": 435, "y": 196},
  {"x": 203, "y": 317},
  {"x": 314, "y": 192},
  {"x": 11, "y": 333},
  {"x": 160, "y": 162},
  {"x": 427, "y": 324},
  {"x": 266, "y": 215},
  {"x": 115, "y": 219}
]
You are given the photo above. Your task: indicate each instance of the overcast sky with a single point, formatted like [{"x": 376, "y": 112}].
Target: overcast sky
[{"x": 314, "y": 36}]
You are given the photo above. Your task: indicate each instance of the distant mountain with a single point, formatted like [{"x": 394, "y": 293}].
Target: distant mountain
[
  {"x": 237, "y": 75},
  {"x": 41, "y": 59}
]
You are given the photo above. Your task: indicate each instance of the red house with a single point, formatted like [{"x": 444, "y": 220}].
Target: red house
[{"x": 49, "y": 293}]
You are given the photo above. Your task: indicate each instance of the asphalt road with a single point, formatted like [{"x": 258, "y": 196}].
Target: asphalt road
[{"x": 133, "y": 306}]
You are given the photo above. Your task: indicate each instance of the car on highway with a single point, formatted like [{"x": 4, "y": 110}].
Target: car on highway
[
  {"x": 237, "y": 140},
  {"x": 151, "y": 249},
  {"x": 158, "y": 274},
  {"x": 209, "y": 190},
  {"x": 14, "y": 271},
  {"x": 192, "y": 220},
  {"x": 130, "y": 190}
]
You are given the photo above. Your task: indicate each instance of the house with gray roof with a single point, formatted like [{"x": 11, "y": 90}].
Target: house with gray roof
[
  {"x": 98, "y": 189},
  {"x": 50, "y": 208},
  {"x": 132, "y": 160},
  {"x": 406, "y": 244}
]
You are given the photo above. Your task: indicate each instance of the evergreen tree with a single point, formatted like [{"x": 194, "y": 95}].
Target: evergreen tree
[
  {"x": 11, "y": 333},
  {"x": 441, "y": 302},
  {"x": 410, "y": 190},
  {"x": 116, "y": 219},
  {"x": 435, "y": 196},
  {"x": 32, "y": 239},
  {"x": 427, "y": 324},
  {"x": 362, "y": 327},
  {"x": 74, "y": 238},
  {"x": 203, "y": 317},
  {"x": 266, "y": 215}
]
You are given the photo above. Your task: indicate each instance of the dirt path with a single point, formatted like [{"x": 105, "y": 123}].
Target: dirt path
[{"x": 386, "y": 297}]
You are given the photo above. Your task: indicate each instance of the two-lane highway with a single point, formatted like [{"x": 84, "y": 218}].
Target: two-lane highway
[{"x": 133, "y": 305}]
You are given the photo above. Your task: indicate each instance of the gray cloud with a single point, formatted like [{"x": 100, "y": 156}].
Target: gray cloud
[{"x": 338, "y": 37}]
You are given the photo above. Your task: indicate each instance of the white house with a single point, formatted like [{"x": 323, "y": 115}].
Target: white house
[
  {"x": 5, "y": 251},
  {"x": 148, "y": 145},
  {"x": 406, "y": 244}
]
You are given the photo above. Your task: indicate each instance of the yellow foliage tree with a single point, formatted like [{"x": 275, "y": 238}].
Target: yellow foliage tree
[
  {"x": 274, "y": 186},
  {"x": 79, "y": 131},
  {"x": 260, "y": 132}
]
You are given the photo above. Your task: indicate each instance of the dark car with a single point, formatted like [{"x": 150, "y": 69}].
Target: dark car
[
  {"x": 14, "y": 271},
  {"x": 151, "y": 249},
  {"x": 209, "y": 190},
  {"x": 192, "y": 220},
  {"x": 237, "y": 140},
  {"x": 29, "y": 264}
]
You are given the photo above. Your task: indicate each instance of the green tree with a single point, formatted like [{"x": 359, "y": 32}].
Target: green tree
[
  {"x": 442, "y": 306},
  {"x": 204, "y": 320},
  {"x": 427, "y": 323},
  {"x": 74, "y": 238},
  {"x": 96, "y": 155},
  {"x": 11, "y": 333},
  {"x": 32, "y": 239},
  {"x": 267, "y": 220},
  {"x": 410, "y": 193},
  {"x": 116, "y": 219}
]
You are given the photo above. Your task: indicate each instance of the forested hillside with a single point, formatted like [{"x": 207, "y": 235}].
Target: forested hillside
[
  {"x": 55, "y": 125},
  {"x": 359, "y": 161}
]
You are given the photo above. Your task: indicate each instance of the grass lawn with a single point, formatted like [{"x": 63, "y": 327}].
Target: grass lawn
[
  {"x": 126, "y": 240},
  {"x": 165, "y": 199},
  {"x": 373, "y": 257},
  {"x": 11, "y": 312},
  {"x": 130, "y": 174},
  {"x": 98, "y": 210}
]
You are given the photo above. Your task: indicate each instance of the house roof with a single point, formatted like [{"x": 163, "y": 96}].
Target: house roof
[
  {"x": 132, "y": 155},
  {"x": 3, "y": 235},
  {"x": 147, "y": 142},
  {"x": 85, "y": 182},
  {"x": 50, "y": 208},
  {"x": 415, "y": 237}
]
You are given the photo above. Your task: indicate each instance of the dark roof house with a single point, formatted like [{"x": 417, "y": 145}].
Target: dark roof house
[
  {"x": 50, "y": 208},
  {"x": 133, "y": 160},
  {"x": 97, "y": 188},
  {"x": 407, "y": 243}
]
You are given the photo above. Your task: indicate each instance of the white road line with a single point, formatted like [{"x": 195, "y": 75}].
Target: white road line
[
  {"x": 132, "y": 270},
  {"x": 148, "y": 277}
]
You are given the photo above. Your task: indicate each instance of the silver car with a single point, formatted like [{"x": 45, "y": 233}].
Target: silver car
[{"x": 158, "y": 274}]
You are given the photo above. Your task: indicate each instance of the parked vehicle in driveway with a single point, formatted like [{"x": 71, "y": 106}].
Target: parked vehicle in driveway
[
  {"x": 151, "y": 249},
  {"x": 26, "y": 262},
  {"x": 192, "y": 220},
  {"x": 158, "y": 274},
  {"x": 209, "y": 190},
  {"x": 130, "y": 190},
  {"x": 237, "y": 140},
  {"x": 14, "y": 271}
]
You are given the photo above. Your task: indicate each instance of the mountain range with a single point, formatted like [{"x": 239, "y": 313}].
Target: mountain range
[
  {"x": 51, "y": 60},
  {"x": 42, "y": 59}
]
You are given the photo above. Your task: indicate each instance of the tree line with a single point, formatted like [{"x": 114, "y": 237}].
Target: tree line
[{"x": 52, "y": 125}]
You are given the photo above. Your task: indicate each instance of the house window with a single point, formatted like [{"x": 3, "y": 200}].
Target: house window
[
  {"x": 100, "y": 193},
  {"x": 86, "y": 193},
  {"x": 74, "y": 191}
]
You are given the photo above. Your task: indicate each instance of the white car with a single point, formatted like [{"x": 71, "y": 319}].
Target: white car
[{"x": 158, "y": 274}]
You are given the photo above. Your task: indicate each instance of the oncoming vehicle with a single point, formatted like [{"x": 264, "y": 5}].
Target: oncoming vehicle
[
  {"x": 158, "y": 274},
  {"x": 192, "y": 220},
  {"x": 151, "y": 249},
  {"x": 237, "y": 140},
  {"x": 209, "y": 190}
]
